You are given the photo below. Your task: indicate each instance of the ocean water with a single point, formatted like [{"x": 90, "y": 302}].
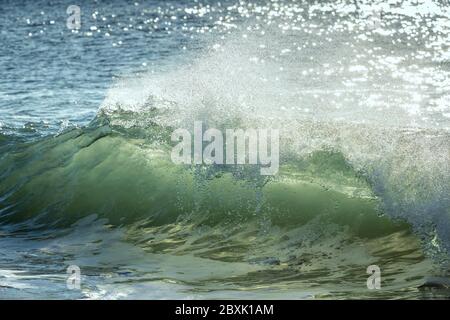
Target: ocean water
[{"x": 360, "y": 91}]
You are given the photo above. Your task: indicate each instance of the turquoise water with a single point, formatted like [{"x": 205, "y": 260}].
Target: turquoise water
[{"x": 361, "y": 99}]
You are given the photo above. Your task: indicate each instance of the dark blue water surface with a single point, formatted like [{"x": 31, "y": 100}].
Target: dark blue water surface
[{"x": 51, "y": 74}]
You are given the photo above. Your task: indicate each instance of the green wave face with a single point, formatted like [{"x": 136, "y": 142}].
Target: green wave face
[
  {"x": 317, "y": 219},
  {"x": 126, "y": 179}
]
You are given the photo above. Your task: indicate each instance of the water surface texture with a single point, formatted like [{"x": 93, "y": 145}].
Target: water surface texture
[{"x": 360, "y": 91}]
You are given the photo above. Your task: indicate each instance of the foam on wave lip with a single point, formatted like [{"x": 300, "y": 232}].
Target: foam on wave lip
[
  {"x": 407, "y": 168},
  {"x": 304, "y": 61},
  {"x": 368, "y": 95}
]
